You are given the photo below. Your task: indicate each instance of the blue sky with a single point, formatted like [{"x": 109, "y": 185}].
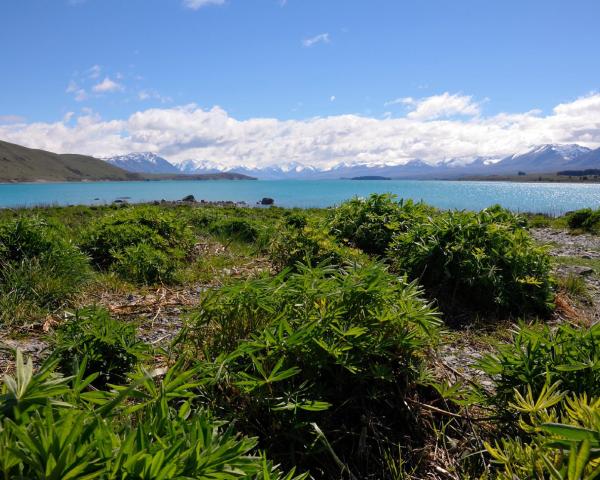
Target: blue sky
[{"x": 291, "y": 60}]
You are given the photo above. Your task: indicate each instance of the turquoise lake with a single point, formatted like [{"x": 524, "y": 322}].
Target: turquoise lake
[{"x": 552, "y": 198}]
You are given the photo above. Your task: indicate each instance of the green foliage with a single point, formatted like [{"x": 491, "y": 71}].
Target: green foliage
[
  {"x": 329, "y": 350},
  {"x": 145, "y": 264},
  {"x": 562, "y": 438},
  {"x": 370, "y": 224},
  {"x": 38, "y": 267},
  {"x": 237, "y": 228},
  {"x": 57, "y": 429},
  {"x": 484, "y": 261},
  {"x": 146, "y": 244},
  {"x": 542, "y": 355},
  {"x": 109, "y": 347},
  {"x": 585, "y": 219},
  {"x": 312, "y": 245}
]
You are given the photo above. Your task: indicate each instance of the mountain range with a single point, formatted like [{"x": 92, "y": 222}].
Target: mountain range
[
  {"x": 548, "y": 158},
  {"x": 21, "y": 164}
]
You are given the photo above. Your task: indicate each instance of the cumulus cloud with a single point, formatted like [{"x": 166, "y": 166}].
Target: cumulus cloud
[
  {"x": 78, "y": 93},
  {"x": 312, "y": 41},
  {"x": 196, "y": 4},
  {"x": 191, "y": 133},
  {"x": 438, "y": 106},
  {"x": 107, "y": 85},
  {"x": 11, "y": 119}
]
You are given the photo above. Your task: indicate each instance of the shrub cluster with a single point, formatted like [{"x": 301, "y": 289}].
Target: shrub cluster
[
  {"x": 546, "y": 389},
  {"x": 142, "y": 244},
  {"x": 39, "y": 268},
  {"x": 370, "y": 223},
  {"x": 108, "y": 347},
  {"x": 484, "y": 261},
  {"x": 585, "y": 219},
  {"x": 317, "y": 361},
  {"x": 53, "y": 427}
]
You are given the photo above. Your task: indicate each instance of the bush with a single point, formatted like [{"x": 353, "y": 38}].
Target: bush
[
  {"x": 145, "y": 264},
  {"x": 52, "y": 428},
  {"x": 311, "y": 245},
  {"x": 370, "y": 224},
  {"x": 539, "y": 356},
  {"x": 117, "y": 238},
  {"x": 562, "y": 438},
  {"x": 109, "y": 347},
  {"x": 484, "y": 261},
  {"x": 322, "y": 355},
  {"x": 236, "y": 228},
  {"x": 38, "y": 267},
  {"x": 585, "y": 219}
]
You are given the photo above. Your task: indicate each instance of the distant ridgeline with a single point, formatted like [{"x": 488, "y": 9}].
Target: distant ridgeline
[{"x": 580, "y": 173}]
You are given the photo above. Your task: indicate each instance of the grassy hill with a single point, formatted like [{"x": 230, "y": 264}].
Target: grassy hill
[{"x": 22, "y": 164}]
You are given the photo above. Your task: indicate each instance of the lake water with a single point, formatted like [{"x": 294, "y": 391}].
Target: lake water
[{"x": 552, "y": 198}]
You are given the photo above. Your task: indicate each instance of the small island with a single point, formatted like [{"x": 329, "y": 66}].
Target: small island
[{"x": 370, "y": 177}]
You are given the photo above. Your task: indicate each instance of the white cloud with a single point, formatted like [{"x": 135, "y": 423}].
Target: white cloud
[
  {"x": 150, "y": 94},
  {"x": 196, "y": 4},
  {"x": 189, "y": 132},
  {"x": 94, "y": 71},
  {"x": 332, "y": 98},
  {"x": 107, "y": 85},
  {"x": 78, "y": 93},
  {"x": 11, "y": 119},
  {"x": 438, "y": 106},
  {"x": 312, "y": 41}
]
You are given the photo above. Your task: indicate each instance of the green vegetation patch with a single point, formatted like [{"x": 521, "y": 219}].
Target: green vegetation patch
[
  {"x": 326, "y": 354},
  {"x": 143, "y": 244},
  {"x": 39, "y": 269},
  {"x": 484, "y": 261}
]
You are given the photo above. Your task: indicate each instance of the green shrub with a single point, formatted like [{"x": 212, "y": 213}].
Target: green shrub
[
  {"x": 236, "y": 228},
  {"x": 539, "y": 356},
  {"x": 335, "y": 348},
  {"x": 145, "y": 264},
  {"x": 291, "y": 246},
  {"x": 38, "y": 267},
  {"x": 109, "y": 347},
  {"x": 370, "y": 224},
  {"x": 52, "y": 428},
  {"x": 560, "y": 438},
  {"x": 483, "y": 261},
  {"x": 584, "y": 219},
  {"x": 117, "y": 238}
]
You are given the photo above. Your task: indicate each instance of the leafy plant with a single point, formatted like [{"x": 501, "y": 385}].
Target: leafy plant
[
  {"x": 562, "y": 438},
  {"x": 145, "y": 264},
  {"x": 109, "y": 347},
  {"x": 38, "y": 267},
  {"x": 585, "y": 219},
  {"x": 59, "y": 431},
  {"x": 311, "y": 245},
  {"x": 237, "y": 228},
  {"x": 541, "y": 355},
  {"x": 483, "y": 261},
  {"x": 145, "y": 244},
  {"x": 114, "y": 232},
  {"x": 329, "y": 350},
  {"x": 370, "y": 224}
]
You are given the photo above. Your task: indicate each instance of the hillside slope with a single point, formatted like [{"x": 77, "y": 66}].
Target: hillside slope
[{"x": 22, "y": 164}]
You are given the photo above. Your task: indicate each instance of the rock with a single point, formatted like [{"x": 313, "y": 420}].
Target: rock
[
  {"x": 267, "y": 201},
  {"x": 583, "y": 271},
  {"x": 188, "y": 198}
]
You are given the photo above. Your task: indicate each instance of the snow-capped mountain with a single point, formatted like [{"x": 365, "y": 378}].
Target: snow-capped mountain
[
  {"x": 143, "y": 162},
  {"x": 540, "y": 159}
]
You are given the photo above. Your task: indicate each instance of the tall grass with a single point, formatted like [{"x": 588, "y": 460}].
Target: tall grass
[{"x": 39, "y": 269}]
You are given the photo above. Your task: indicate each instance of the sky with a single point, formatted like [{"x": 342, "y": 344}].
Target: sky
[{"x": 319, "y": 82}]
